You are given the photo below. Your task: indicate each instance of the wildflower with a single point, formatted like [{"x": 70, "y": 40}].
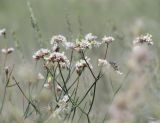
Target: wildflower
[
  {"x": 96, "y": 43},
  {"x": 90, "y": 37},
  {"x": 82, "y": 45},
  {"x": 65, "y": 65},
  {"x": 40, "y": 54},
  {"x": 107, "y": 40},
  {"x": 60, "y": 58},
  {"x": 8, "y": 50},
  {"x": 85, "y": 44},
  {"x": 102, "y": 62},
  {"x": 58, "y": 39},
  {"x": 70, "y": 45},
  {"x": 2, "y": 32},
  {"x": 81, "y": 64},
  {"x": 114, "y": 65},
  {"x": 144, "y": 39}
]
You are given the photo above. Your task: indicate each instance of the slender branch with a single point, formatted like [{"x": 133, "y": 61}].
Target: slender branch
[
  {"x": 25, "y": 95},
  {"x": 88, "y": 66},
  {"x": 5, "y": 89}
]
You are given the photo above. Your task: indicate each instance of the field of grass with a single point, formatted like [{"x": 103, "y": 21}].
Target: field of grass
[{"x": 74, "y": 61}]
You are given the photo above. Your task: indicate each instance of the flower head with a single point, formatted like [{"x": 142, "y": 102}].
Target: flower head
[
  {"x": 144, "y": 39},
  {"x": 90, "y": 37},
  {"x": 7, "y": 50},
  {"x": 2, "y": 31},
  {"x": 69, "y": 45},
  {"x": 58, "y": 39},
  {"x": 108, "y": 39},
  {"x": 41, "y": 53},
  {"x": 81, "y": 64},
  {"x": 102, "y": 62},
  {"x": 60, "y": 58}
]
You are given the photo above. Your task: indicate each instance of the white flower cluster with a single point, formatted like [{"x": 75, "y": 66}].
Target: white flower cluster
[
  {"x": 143, "y": 39},
  {"x": 88, "y": 42},
  {"x": 54, "y": 55},
  {"x": 60, "y": 58},
  {"x": 58, "y": 39},
  {"x": 103, "y": 62},
  {"x": 7, "y": 50},
  {"x": 81, "y": 64},
  {"x": 41, "y": 53},
  {"x": 2, "y": 31},
  {"x": 90, "y": 37},
  {"x": 108, "y": 39}
]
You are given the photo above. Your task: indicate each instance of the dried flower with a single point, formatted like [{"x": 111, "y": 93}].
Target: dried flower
[
  {"x": 111, "y": 64},
  {"x": 8, "y": 50},
  {"x": 70, "y": 45},
  {"x": 40, "y": 54},
  {"x": 81, "y": 64},
  {"x": 60, "y": 58},
  {"x": 102, "y": 62},
  {"x": 144, "y": 39},
  {"x": 90, "y": 37},
  {"x": 58, "y": 39},
  {"x": 2, "y": 32},
  {"x": 108, "y": 39},
  {"x": 82, "y": 45},
  {"x": 95, "y": 43}
]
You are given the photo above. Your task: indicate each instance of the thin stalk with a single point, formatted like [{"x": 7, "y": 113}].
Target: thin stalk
[{"x": 26, "y": 96}]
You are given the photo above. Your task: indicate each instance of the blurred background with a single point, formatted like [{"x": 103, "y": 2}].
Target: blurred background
[{"x": 123, "y": 19}]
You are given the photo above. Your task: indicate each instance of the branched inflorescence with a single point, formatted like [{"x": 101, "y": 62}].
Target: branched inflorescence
[
  {"x": 56, "y": 62},
  {"x": 66, "y": 63}
]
